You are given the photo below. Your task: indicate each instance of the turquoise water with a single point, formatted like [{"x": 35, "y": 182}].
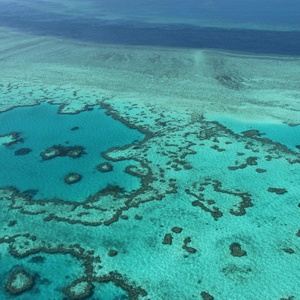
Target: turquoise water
[
  {"x": 188, "y": 206},
  {"x": 45, "y": 268},
  {"x": 109, "y": 291},
  {"x": 281, "y": 133},
  {"x": 52, "y": 273},
  {"x": 41, "y": 127}
]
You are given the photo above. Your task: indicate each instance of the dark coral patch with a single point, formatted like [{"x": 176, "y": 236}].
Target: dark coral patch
[
  {"x": 206, "y": 296},
  {"x": 259, "y": 170},
  {"x": 168, "y": 239},
  {"x": 187, "y": 248},
  {"x": 251, "y": 133},
  {"x": 230, "y": 82},
  {"x": 236, "y": 250},
  {"x": 215, "y": 211},
  {"x": 72, "y": 178},
  {"x": 278, "y": 191},
  {"x": 12, "y": 223},
  {"x": 289, "y": 250},
  {"x": 105, "y": 167},
  {"x": 112, "y": 253},
  {"x": 22, "y": 151},
  {"x": 134, "y": 291},
  {"x": 233, "y": 168},
  {"x": 31, "y": 192},
  {"x": 251, "y": 160},
  {"x": 79, "y": 289},
  {"x": 59, "y": 150},
  {"x": 177, "y": 229},
  {"x": 187, "y": 240},
  {"x": 38, "y": 259},
  {"x": 19, "y": 282},
  {"x": 112, "y": 189},
  {"x": 210, "y": 202}
]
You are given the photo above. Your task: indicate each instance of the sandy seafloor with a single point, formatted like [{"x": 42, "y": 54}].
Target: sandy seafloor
[{"x": 211, "y": 213}]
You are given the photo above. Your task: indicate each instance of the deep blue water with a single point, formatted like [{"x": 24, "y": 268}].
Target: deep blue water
[
  {"x": 129, "y": 31},
  {"x": 267, "y": 12}
]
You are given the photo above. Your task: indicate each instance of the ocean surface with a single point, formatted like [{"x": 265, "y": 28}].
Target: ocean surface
[
  {"x": 127, "y": 30},
  {"x": 149, "y": 149}
]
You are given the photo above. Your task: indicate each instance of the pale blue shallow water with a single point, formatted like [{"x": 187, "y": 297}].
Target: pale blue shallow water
[
  {"x": 52, "y": 273},
  {"x": 277, "y": 132},
  {"x": 42, "y": 127},
  {"x": 108, "y": 291}
]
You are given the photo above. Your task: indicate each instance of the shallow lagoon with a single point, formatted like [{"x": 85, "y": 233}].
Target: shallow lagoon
[
  {"x": 288, "y": 135},
  {"x": 41, "y": 127}
]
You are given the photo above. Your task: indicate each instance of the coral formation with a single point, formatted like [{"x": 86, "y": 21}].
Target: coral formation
[
  {"x": 18, "y": 282},
  {"x": 236, "y": 250},
  {"x": 23, "y": 151},
  {"x": 59, "y": 150},
  {"x": 105, "y": 167},
  {"x": 72, "y": 178}
]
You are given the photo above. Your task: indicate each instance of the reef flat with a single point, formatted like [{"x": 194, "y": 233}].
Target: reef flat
[
  {"x": 195, "y": 176},
  {"x": 246, "y": 86}
]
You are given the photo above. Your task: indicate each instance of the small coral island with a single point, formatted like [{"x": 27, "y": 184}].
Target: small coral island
[
  {"x": 10, "y": 138},
  {"x": 59, "y": 150},
  {"x": 79, "y": 289},
  {"x": 72, "y": 178},
  {"x": 19, "y": 282},
  {"x": 105, "y": 167}
]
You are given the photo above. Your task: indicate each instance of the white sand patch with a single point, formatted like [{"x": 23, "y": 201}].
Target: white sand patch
[{"x": 7, "y": 139}]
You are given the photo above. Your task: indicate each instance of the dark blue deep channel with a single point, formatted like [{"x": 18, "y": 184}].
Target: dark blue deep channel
[{"x": 137, "y": 33}]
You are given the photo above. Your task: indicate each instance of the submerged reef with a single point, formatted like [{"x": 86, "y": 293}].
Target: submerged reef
[
  {"x": 278, "y": 191},
  {"x": 206, "y": 296},
  {"x": 59, "y": 150},
  {"x": 79, "y": 289},
  {"x": 72, "y": 178},
  {"x": 10, "y": 138},
  {"x": 105, "y": 167},
  {"x": 18, "y": 282},
  {"x": 194, "y": 207},
  {"x": 236, "y": 250},
  {"x": 23, "y": 151}
]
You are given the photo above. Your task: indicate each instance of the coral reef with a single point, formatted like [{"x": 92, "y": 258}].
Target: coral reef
[
  {"x": 105, "y": 167},
  {"x": 18, "y": 282},
  {"x": 72, "y": 178},
  {"x": 59, "y": 150}
]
